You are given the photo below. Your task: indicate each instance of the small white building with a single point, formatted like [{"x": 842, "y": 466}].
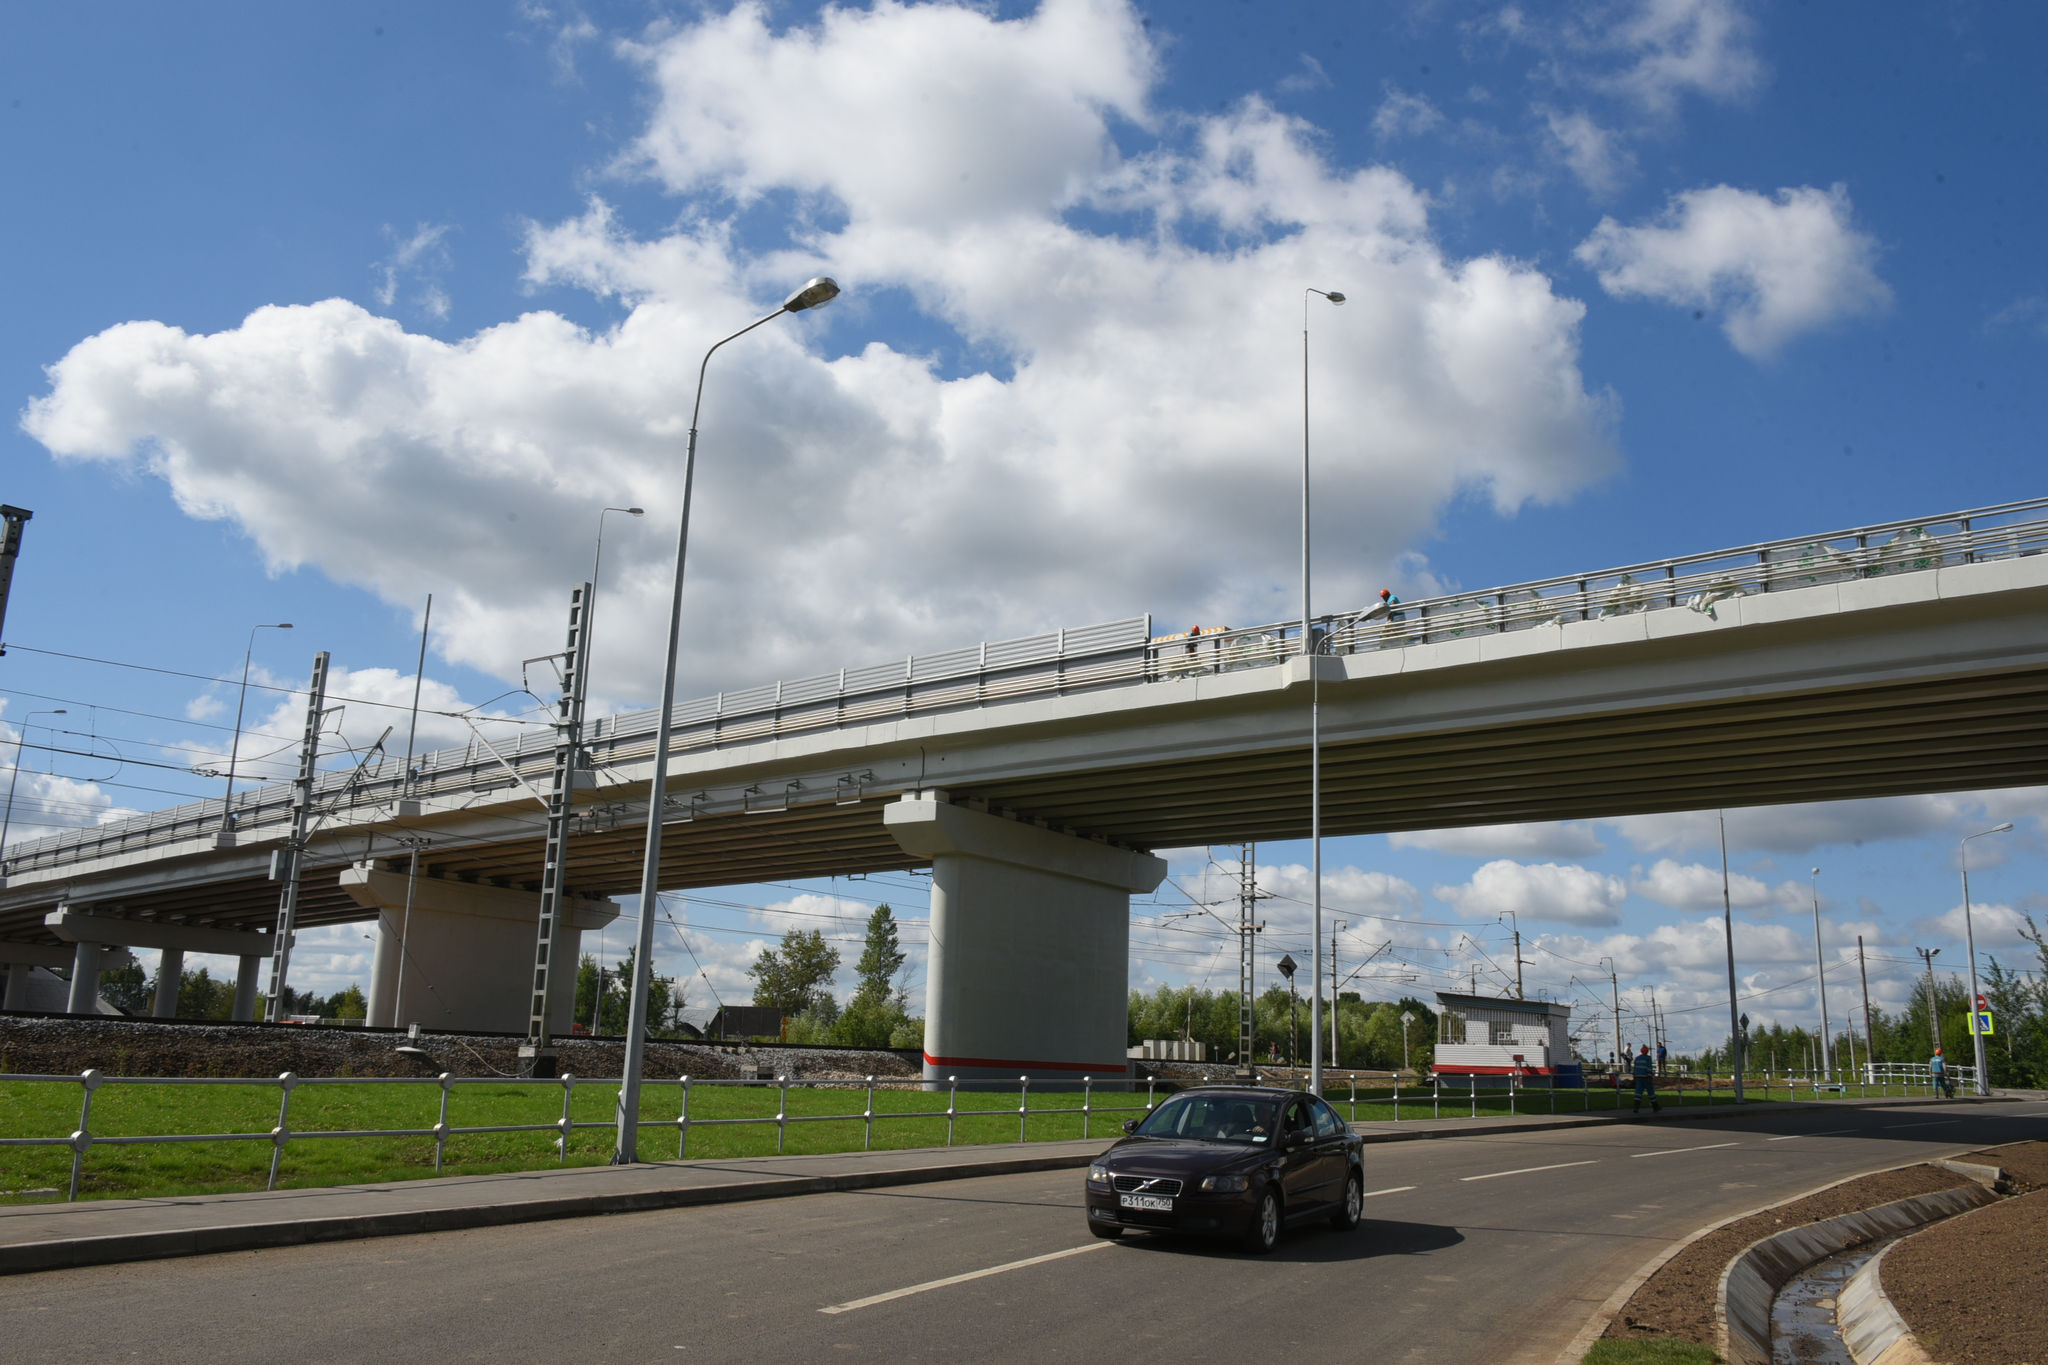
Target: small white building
[{"x": 1480, "y": 1035}]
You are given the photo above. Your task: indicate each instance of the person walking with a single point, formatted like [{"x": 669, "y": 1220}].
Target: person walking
[
  {"x": 1938, "y": 1068},
  {"x": 1646, "y": 1081}
]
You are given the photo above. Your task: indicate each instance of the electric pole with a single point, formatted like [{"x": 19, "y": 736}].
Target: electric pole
[
  {"x": 1869, "y": 1038},
  {"x": 1928, "y": 955},
  {"x": 537, "y": 1054},
  {"x": 1335, "y": 926},
  {"x": 285, "y": 862},
  {"x": 1248, "y": 897}
]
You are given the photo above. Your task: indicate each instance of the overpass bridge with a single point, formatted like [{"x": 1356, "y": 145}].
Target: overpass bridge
[{"x": 1035, "y": 776}]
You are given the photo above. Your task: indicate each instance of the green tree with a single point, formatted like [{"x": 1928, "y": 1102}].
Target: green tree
[
  {"x": 201, "y": 997},
  {"x": 878, "y": 1007},
  {"x": 350, "y": 1004},
  {"x": 881, "y": 958},
  {"x": 125, "y": 990},
  {"x": 665, "y": 998},
  {"x": 798, "y": 977}
]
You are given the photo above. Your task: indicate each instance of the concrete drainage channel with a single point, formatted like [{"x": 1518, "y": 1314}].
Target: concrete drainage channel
[{"x": 1787, "y": 1277}]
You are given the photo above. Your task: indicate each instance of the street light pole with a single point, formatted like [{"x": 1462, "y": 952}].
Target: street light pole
[
  {"x": 815, "y": 294},
  {"x": 8, "y": 819},
  {"x": 1820, "y": 968},
  {"x": 597, "y": 563},
  {"x": 1728, "y": 927},
  {"x": 235, "y": 748},
  {"x": 1310, "y": 647},
  {"x": 1970, "y": 943}
]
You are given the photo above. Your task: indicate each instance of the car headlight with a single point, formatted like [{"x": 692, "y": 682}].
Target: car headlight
[
  {"x": 1224, "y": 1183},
  {"x": 1098, "y": 1175}
]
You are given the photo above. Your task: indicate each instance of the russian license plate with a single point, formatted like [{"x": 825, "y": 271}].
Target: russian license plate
[{"x": 1150, "y": 1203}]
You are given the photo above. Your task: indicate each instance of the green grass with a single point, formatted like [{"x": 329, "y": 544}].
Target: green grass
[
  {"x": 1651, "y": 1351},
  {"x": 822, "y": 1120}
]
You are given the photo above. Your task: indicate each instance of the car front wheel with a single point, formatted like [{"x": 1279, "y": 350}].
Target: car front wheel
[
  {"x": 1347, "y": 1214},
  {"x": 1264, "y": 1233}
]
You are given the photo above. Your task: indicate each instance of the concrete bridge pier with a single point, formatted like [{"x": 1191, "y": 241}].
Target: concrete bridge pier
[
  {"x": 96, "y": 935},
  {"x": 24, "y": 991},
  {"x": 465, "y": 954},
  {"x": 1030, "y": 944}
]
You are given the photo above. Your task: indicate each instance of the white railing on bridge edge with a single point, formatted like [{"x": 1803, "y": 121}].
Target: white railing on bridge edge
[{"x": 1112, "y": 654}]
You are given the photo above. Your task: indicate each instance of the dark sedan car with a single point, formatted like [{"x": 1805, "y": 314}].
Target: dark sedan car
[{"x": 1229, "y": 1161}]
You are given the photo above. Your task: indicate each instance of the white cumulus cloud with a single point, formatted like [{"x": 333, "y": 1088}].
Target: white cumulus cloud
[
  {"x": 1548, "y": 839},
  {"x": 1771, "y": 268},
  {"x": 1539, "y": 891},
  {"x": 858, "y": 499}
]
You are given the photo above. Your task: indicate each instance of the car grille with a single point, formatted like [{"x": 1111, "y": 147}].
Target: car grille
[{"x": 1140, "y": 1184}]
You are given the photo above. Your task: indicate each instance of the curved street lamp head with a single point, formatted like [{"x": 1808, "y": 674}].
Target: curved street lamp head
[
  {"x": 636, "y": 511},
  {"x": 1999, "y": 829},
  {"x": 815, "y": 294},
  {"x": 281, "y": 625}
]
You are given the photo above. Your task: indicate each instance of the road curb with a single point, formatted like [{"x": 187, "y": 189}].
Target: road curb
[
  {"x": 1603, "y": 1317},
  {"x": 71, "y": 1253},
  {"x": 1870, "y": 1324},
  {"x": 1750, "y": 1284}
]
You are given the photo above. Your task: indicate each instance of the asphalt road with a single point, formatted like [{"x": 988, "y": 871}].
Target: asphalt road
[{"x": 1474, "y": 1249}]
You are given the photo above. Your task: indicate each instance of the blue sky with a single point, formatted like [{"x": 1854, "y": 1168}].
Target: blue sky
[{"x": 315, "y": 311}]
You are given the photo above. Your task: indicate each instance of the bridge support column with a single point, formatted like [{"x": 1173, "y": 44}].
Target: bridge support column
[
  {"x": 465, "y": 958},
  {"x": 170, "y": 972},
  {"x": 248, "y": 978},
  {"x": 1030, "y": 944},
  {"x": 85, "y": 979}
]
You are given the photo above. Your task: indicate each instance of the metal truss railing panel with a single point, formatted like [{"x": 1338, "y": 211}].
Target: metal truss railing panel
[{"x": 1115, "y": 654}]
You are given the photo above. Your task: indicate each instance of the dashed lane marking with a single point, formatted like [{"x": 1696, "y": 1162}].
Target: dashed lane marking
[
  {"x": 1832, "y": 1132},
  {"x": 1527, "y": 1170},
  {"x": 1391, "y": 1189},
  {"x": 1925, "y": 1123},
  {"x": 874, "y": 1299},
  {"x": 1680, "y": 1151}
]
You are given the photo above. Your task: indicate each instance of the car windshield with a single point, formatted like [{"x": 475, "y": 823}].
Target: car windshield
[{"x": 1213, "y": 1118}]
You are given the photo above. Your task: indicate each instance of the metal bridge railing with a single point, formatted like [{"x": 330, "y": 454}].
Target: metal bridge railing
[{"x": 1113, "y": 654}]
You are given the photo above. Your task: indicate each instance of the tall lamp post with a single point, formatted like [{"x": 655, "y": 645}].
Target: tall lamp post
[
  {"x": 227, "y": 818},
  {"x": 1969, "y": 943},
  {"x": 1736, "y": 1042},
  {"x": 815, "y": 294},
  {"x": 596, "y": 587},
  {"x": 1820, "y": 968},
  {"x": 1310, "y": 647},
  {"x": 6, "y": 820}
]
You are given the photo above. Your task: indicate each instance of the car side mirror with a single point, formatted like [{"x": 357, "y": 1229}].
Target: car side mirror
[{"x": 1130, "y": 1125}]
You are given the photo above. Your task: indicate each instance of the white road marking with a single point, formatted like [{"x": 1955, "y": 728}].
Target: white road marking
[
  {"x": 1929, "y": 1123},
  {"x": 1528, "y": 1170},
  {"x": 1392, "y": 1189},
  {"x": 874, "y": 1299},
  {"x": 1680, "y": 1151},
  {"x": 1832, "y": 1132}
]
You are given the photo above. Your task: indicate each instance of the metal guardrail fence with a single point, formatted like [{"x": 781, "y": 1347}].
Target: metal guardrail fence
[
  {"x": 1521, "y": 1096},
  {"x": 1112, "y": 654},
  {"x": 82, "y": 1139}
]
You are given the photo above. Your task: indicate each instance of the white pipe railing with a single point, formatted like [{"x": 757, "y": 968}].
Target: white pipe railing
[{"x": 82, "y": 1139}]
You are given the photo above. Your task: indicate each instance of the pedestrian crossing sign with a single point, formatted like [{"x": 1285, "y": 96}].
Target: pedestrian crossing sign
[{"x": 1981, "y": 1023}]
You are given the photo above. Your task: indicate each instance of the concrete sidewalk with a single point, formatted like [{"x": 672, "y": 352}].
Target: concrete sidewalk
[{"x": 105, "y": 1231}]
